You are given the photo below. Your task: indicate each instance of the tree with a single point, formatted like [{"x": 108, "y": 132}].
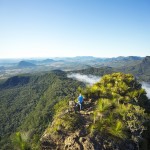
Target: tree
[{"x": 20, "y": 141}]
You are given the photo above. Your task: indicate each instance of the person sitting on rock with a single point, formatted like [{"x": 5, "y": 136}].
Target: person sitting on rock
[{"x": 80, "y": 101}]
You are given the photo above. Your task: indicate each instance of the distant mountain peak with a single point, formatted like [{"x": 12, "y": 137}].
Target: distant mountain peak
[
  {"x": 25, "y": 64},
  {"x": 48, "y": 60},
  {"x": 146, "y": 60}
]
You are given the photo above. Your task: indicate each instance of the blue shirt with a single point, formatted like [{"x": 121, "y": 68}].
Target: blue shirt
[{"x": 80, "y": 99}]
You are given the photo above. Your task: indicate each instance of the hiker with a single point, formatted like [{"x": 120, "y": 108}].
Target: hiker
[{"x": 80, "y": 101}]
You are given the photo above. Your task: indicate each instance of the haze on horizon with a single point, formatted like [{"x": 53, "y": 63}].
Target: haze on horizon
[{"x": 69, "y": 28}]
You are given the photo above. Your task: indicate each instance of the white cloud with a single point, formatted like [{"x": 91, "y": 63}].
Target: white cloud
[
  {"x": 89, "y": 79},
  {"x": 146, "y": 86}
]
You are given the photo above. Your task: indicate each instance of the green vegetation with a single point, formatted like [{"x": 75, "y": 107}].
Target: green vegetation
[
  {"x": 119, "y": 112},
  {"x": 27, "y": 104},
  {"x": 95, "y": 71},
  {"x": 63, "y": 120},
  {"x": 20, "y": 141},
  {"x": 119, "y": 107}
]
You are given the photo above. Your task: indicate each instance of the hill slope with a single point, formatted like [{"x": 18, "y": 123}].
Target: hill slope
[
  {"x": 27, "y": 101},
  {"x": 113, "y": 117},
  {"x": 25, "y": 64}
]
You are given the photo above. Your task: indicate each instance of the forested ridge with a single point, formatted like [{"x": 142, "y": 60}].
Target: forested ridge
[{"x": 26, "y": 103}]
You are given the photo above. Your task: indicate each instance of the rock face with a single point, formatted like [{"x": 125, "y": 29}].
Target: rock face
[
  {"x": 80, "y": 141},
  {"x": 74, "y": 141},
  {"x": 146, "y": 60},
  {"x": 144, "y": 66}
]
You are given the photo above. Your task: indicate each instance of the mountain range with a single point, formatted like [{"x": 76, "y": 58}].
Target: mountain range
[
  {"x": 141, "y": 70},
  {"x": 9, "y": 67}
]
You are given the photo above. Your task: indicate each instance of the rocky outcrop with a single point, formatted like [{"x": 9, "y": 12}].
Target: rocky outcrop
[
  {"x": 71, "y": 141},
  {"x": 82, "y": 141},
  {"x": 75, "y": 142}
]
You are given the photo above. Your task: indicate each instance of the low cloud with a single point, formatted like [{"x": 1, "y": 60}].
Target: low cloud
[
  {"x": 146, "y": 86},
  {"x": 88, "y": 79}
]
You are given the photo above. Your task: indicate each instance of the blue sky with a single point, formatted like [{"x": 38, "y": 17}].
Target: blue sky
[{"x": 58, "y": 28}]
